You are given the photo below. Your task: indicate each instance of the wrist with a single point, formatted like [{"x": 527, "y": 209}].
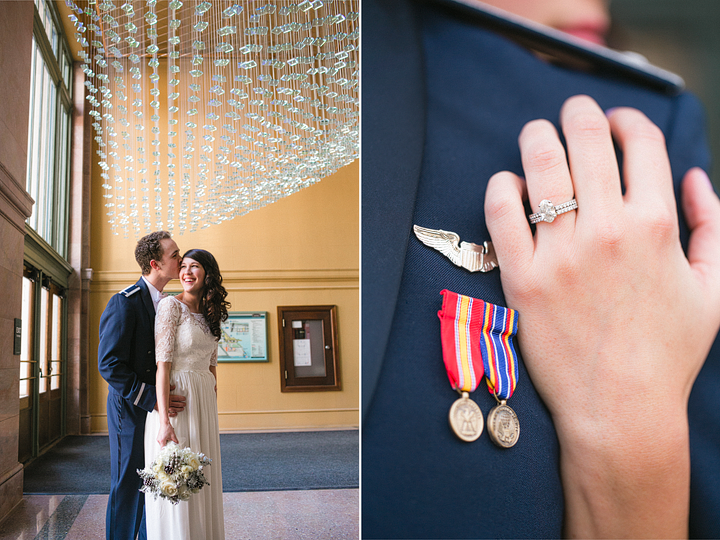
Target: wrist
[{"x": 617, "y": 473}]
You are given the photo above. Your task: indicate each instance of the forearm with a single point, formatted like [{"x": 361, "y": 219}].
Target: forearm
[
  {"x": 162, "y": 385},
  {"x": 213, "y": 370},
  {"x": 626, "y": 478}
]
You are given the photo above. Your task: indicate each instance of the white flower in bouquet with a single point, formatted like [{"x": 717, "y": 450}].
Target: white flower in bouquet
[{"x": 175, "y": 474}]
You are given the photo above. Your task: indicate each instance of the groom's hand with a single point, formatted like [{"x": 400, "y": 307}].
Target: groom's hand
[{"x": 177, "y": 403}]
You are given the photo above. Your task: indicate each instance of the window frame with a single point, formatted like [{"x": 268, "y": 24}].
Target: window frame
[{"x": 48, "y": 157}]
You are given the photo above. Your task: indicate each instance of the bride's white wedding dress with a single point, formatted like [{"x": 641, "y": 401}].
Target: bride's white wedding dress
[{"x": 183, "y": 338}]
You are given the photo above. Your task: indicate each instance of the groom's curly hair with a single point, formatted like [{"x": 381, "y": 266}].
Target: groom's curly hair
[
  {"x": 214, "y": 307},
  {"x": 148, "y": 249}
]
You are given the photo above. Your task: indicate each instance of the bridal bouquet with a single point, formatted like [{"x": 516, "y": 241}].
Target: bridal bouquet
[{"x": 175, "y": 474}]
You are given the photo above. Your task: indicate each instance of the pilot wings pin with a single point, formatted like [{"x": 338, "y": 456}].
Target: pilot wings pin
[{"x": 470, "y": 256}]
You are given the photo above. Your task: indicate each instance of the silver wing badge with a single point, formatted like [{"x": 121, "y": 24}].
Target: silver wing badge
[{"x": 469, "y": 256}]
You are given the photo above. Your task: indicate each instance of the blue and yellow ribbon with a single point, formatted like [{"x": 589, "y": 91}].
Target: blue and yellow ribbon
[{"x": 498, "y": 349}]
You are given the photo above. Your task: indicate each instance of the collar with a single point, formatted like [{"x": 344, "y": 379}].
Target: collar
[{"x": 154, "y": 293}]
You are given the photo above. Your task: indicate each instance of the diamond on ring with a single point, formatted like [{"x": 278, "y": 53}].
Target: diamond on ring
[{"x": 548, "y": 212}]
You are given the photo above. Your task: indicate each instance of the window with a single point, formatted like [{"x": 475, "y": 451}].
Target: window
[
  {"x": 308, "y": 348},
  {"x": 45, "y": 278},
  {"x": 48, "y": 166}
]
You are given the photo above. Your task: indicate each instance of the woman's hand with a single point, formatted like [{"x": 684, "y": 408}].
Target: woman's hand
[
  {"x": 162, "y": 387},
  {"x": 615, "y": 321},
  {"x": 166, "y": 434},
  {"x": 213, "y": 370}
]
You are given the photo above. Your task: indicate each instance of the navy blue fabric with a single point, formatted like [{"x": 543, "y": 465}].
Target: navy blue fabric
[
  {"x": 393, "y": 111},
  {"x": 126, "y": 360},
  {"x": 478, "y": 90}
]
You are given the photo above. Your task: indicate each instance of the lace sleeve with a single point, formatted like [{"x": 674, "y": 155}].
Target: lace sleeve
[
  {"x": 213, "y": 356},
  {"x": 167, "y": 319}
]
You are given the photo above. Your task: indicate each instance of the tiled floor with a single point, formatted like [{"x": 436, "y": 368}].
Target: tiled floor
[{"x": 282, "y": 515}]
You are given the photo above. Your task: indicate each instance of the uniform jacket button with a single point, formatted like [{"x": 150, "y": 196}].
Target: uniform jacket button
[
  {"x": 147, "y": 371},
  {"x": 149, "y": 352}
]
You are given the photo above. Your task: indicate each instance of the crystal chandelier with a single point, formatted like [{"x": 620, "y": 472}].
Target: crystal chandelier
[{"x": 204, "y": 111}]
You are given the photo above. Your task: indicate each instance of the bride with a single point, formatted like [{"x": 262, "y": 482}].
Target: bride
[{"x": 187, "y": 329}]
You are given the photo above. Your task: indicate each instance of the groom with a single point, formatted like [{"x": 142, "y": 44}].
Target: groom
[{"x": 126, "y": 360}]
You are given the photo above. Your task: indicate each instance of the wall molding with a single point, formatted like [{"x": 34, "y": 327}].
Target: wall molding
[
  {"x": 18, "y": 204},
  {"x": 247, "y": 280},
  {"x": 267, "y": 420},
  {"x": 271, "y": 411},
  {"x": 290, "y": 411}
]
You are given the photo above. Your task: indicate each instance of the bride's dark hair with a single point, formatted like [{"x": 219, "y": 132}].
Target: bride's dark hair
[{"x": 213, "y": 304}]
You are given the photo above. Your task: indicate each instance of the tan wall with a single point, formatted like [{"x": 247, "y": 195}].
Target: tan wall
[{"x": 301, "y": 250}]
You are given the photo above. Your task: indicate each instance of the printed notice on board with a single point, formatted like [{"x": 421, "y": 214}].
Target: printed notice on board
[{"x": 301, "y": 352}]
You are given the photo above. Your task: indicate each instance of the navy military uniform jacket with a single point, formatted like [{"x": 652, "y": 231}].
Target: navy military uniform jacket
[
  {"x": 444, "y": 100},
  {"x": 126, "y": 352},
  {"x": 126, "y": 360}
]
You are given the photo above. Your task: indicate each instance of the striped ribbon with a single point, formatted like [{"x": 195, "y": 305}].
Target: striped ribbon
[
  {"x": 476, "y": 340},
  {"x": 461, "y": 319},
  {"x": 498, "y": 350}
]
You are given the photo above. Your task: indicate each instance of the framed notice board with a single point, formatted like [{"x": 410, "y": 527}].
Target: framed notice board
[
  {"x": 244, "y": 337},
  {"x": 308, "y": 347}
]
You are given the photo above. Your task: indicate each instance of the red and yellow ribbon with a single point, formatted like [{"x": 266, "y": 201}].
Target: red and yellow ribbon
[
  {"x": 477, "y": 339},
  {"x": 461, "y": 319}
]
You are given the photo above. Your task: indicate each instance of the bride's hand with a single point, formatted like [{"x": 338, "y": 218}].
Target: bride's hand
[
  {"x": 166, "y": 434},
  {"x": 615, "y": 321}
]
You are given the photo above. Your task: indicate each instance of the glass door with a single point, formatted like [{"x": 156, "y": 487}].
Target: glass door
[{"x": 42, "y": 364}]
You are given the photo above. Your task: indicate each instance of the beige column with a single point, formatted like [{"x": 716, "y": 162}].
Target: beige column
[
  {"x": 78, "y": 405},
  {"x": 16, "y": 28}
]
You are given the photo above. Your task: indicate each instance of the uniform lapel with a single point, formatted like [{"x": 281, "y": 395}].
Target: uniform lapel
[{"x": 393, "y": 128}]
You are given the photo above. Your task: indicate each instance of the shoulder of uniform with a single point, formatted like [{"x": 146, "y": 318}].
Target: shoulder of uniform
[
  {"x": 568, "y": 50},
  {"x": 129, "y": 291}
]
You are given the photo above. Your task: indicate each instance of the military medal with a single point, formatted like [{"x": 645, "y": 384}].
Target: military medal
[
  {"x": 460, "y": 322},
  {"x": 503, "y": 425},
  {"x": 501, "y": 371},
  {"x": 466, "y": 418}
]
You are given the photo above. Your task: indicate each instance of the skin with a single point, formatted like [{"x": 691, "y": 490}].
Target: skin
[
  {"x": 585, "y": 19},
  {"x": 604, "y": 294},
  {"x": 167, "y": 268},
  {"x": 192, "y": 278}
]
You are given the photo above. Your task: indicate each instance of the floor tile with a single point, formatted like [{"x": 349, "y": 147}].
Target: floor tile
[{"x": 263, "y": 515}]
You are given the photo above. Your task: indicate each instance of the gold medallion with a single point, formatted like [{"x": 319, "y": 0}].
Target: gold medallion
[
  {"x": 503, "y": 425},
  {"x": 466, "y": 418}
]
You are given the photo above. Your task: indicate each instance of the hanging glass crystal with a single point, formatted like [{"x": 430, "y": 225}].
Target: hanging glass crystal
[{"x": 269, "y": 90}]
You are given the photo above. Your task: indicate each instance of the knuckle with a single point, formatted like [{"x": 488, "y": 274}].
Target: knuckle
[
  {"x": 587, "y": 125},
  {"x": 609, "y": 235},
  {"x": 663, "y": 225},
  {"x": 542, "y": 157},
  {"x": 567, "y": 273}
]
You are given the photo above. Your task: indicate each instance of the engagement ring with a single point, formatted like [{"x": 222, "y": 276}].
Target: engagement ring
[{"x": 548, "y": 212}]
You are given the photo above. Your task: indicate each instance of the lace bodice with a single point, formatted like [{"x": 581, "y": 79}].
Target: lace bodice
[{"x": 183, "y": 337}]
